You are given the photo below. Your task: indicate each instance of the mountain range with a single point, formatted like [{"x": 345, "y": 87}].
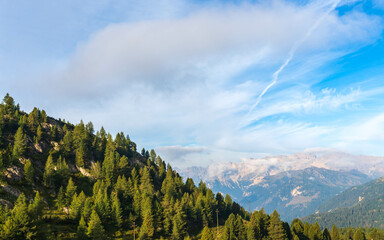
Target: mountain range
[
  {"x": 360, "y": 206},
  {"x": 296, "y": 185}
]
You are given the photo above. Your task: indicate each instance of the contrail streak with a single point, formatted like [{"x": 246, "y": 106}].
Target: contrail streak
[{"x": 292, "y": 52}]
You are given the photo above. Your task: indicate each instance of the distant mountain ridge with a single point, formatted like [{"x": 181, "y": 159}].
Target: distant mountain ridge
[
  {"x": 296, "y": 185},
  {"x": 358, "y": 206}
]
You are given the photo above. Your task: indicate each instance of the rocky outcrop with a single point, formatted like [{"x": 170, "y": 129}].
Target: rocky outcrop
[
  {"x": 84, "y": 172},
  {"x": 14, "y": 174},
  {"x": 6, "y": 203},
  {"x": 11, "y": 190}
]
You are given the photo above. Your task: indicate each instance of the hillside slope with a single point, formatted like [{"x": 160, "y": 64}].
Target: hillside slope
[
  {"x": 360, "y": 206},
  {"x": 60, "y": 180}
]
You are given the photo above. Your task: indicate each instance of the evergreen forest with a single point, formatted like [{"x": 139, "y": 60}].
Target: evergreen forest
[{"x": 65, "y": 181}]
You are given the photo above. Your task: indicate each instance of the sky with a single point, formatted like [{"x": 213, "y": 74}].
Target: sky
[{"x": 204, "y": 81}]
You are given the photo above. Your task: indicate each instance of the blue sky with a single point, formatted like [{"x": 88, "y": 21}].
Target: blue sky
[{"x": 197, "y": 80}]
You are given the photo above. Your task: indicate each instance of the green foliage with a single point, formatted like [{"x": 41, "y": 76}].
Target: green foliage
[
  {"x": 117, "y": 211},
  {"x": 326, "y": 235},
  {"x": 82, "y": 229},
  {"x": 77, "y": 205},
  {"x": 20, "y": 143},
  {"x": 359, "y": 235},
  {"x": 147, "y": 229},
  {"x": 9, "y": 105},
  {"x": 18, "y": 223},
  {"x": 49, "y": 171},
  {"x": 61, "y": 199},
  {"x": 29, "y": 171},
  {"x": 70, "y": 192},
  {"x": 276, "y": 229},
  {"x": 356, "y": 205},
  {"x": 124, "y": 188},
  {"x": 234, "y": 228},
  {"x": 95, "y": 229},
  {"x": 207, "y": 234},
  {"x": 315, "y": 232},
  {"x": 39, "y": 134},
  {"x": 335, "y": 235}
]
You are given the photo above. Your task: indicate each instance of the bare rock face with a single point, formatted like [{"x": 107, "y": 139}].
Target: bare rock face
[
  {"x": 14, "y": 173},
  {"x": 55, "y": 145},
  {"x": 6, "y": 203},
  {"x": 38, "y": 147},
  {"x": 84, "y": 172},
  {"x": 11, "y": 190}
]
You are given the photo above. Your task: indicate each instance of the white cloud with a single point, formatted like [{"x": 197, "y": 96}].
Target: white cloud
[
  {"x": 191, "y": 79},
  {"x": 171, "y": 54},
  {"x": 307, "y": 102},
  {"x": 363, "y": 136},
  {"x": 179, "y": 154}
]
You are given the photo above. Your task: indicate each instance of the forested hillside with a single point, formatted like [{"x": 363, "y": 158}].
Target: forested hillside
[
  {"x": 65, "y": 181},
  {"x": 360, "y": 206}
]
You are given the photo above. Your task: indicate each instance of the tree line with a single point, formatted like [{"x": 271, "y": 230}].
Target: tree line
[{"x": 80, "y": 184}]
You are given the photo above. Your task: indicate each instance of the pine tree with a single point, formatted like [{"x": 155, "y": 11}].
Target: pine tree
[
  {"x": 60, "y": 200},
  {"x": 109, "y": 165},
  {"x": 29, "y": 172},
  {"x": 117, "y": 211},
  {"x": 77, "y": 205},
  {"x": 9, "y": 104},
  {"x": 306, "y": 229},
  {"x": 95, "y": 229},
  {"x": 123, "y": 162},
  {"x": 168, "y": 213},
  {"x": 39, "y": 134},
  {"x": 80, "y": 156},
  {"x": 49, "y": 172},
  {"x": 253, "y": 231},
  {"x": 146, "y": 185},
  {"x": 335, "y": 235},
  {"x": 297, "y": 227},
  {"x": 70, "y": 192},
  {"x": 240, "y": 229},
  {"x": 96, "y": 170},
  {"x": 54, "y": 133},
  {"x": 87, "y": 209},
  {"x": 168, "y": 187},
  {"x": 23, "y": 122},
  {"x": 43, "y": 117},
  {"x": 67, "y": 142},
  {"x": 207, "y": 234},
  {"x": 17, "y": 226},
  {"x": 359, "y": 235},
  {"x": 20, "y": 143},
  {"x": 82, "y": 229},
  {"x": 147, "y": 229},
  {"x": 36, "y": 207},
  {"x": 229, "y": 229},
  {"x": 33, "y": 119},
  {"x": 179, "y": 222},
  {"x": 1, "y": 125},
  {"x": 315, "y": 232},
  {"x": 62, "y": 169},
  {"x": 275, "y": 229},
  {"x": 326, "y": 235},
  {"x": 89, "y": 127}
]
